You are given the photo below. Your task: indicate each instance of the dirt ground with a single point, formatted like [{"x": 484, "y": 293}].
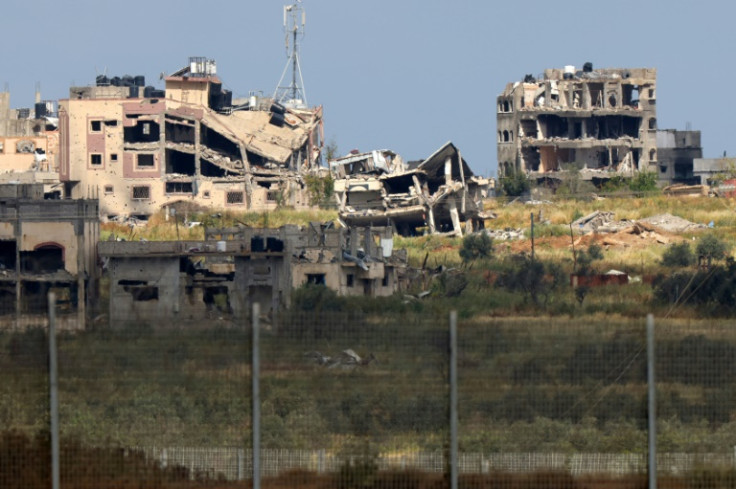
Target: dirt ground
[{"x": 618, "y": 241}]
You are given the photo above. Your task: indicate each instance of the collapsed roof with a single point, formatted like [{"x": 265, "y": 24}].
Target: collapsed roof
[{"x": 437, "y": 195}]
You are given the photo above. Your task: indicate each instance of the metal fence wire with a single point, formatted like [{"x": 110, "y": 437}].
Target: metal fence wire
[{"x": 363, "y": 400}]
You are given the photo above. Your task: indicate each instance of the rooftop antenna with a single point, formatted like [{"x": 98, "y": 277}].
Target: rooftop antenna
[{"x": 293, "y": 95}]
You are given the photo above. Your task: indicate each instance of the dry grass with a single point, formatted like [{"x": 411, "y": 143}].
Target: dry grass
[
  {"x": 637, "y": 257},
  {"x": 634, "y": 257},
  {"x": 159, "y": 228}
]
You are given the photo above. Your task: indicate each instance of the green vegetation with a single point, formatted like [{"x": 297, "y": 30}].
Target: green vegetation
[
  {"x": 476, "y": 247},
  {"x": 678, "y": 255},
  {"x": 566, "y": 385},
  {"x": 514, "y": 184},
  {"x": 643, "y": 181},
  {"x": 320, "y": 189},
  {"x": 542, "y": 366}
]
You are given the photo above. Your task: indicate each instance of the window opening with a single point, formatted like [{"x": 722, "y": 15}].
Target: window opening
[
  {"x": 142, "y": 192},
  {"x": 233, "y": 198},
  {"x": 316, "y": 278},
  {"x": 180, "y": 163},
  {"x": 179, "y": 187},
  {"x": 145, "y": 161},
  {"x": 95, "y": 159}
]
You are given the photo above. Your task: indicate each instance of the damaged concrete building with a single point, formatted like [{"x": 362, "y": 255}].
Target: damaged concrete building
[
  {"x": 602, "y": 122},
  {"x": 676, "y": 153},
  {"x": 144, "y": 149},
  {"x": 193, "y": 283},
  {"x": 46, "y": 245},
  {"x": 29, "y": 141},
  {"x": 437, "y": 194}
]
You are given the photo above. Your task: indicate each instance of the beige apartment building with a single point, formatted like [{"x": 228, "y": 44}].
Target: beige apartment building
[
  {"x": 29, "y": 144},
  {"x": 141, "y": 149}
]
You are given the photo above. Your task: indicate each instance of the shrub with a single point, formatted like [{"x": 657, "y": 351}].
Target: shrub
[
  {"x": 312, "y": 297},
  {"x": 710, "y": 248},
  {"x": 614, "y": 184},
  {"x": 584, "y": 261},
  {"x": 643, "y": 181},
  {"x": 514, "y": 184},
  {"x": 476, "y": 246},
  {"x": 678, "y": 255},
  {"x": 320, "y": 189},
  {"x": 535, "y": 278}
]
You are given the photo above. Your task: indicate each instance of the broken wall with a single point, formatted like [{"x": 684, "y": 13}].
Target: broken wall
[{"x": 144, "y": 290}]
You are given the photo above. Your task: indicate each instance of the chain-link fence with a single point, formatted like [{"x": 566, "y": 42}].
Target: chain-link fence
[{"x": 354, "y": 400}]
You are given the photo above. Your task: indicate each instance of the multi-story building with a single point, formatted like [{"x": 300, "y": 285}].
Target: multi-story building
[
  {"x": 602, "y": 122},
  {"x": 140, "y": 149},
  {"x": 46, "y": 245},
  {"x": 29, "y": 142}
]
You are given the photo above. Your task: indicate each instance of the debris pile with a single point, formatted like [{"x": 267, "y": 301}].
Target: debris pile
[
  {"x": 346, "y": 359},
  {"x": 437, "y": 194},
  {"x": 672, "y": 224},
  {"x": 506, "y": 234}
]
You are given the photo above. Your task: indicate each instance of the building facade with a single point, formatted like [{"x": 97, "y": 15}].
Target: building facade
[
  {"x": 601, "y": 122},
  {"x": 141, "y": 149},
  {"x": 219, "y": 279},
  {"x": 676, "y": 151},
  {"x": 46, "y": 245}
]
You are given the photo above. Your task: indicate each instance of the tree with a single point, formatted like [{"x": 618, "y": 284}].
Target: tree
[
  {"x": 535, "y": 278},
  {"x": 643, "y": 181},
  {"x": 331, "y": 150},
  {"x": 476, "y": 246},
  {"x": 320, "y": 189},
  {"x": 584, "y": 262},
  {"x": 514, "y": 184},
  {"x": 678, "y": 255},
  {"x": 710, "y": 248}
]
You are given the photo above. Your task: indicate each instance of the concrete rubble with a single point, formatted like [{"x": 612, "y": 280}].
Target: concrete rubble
[
  {"x": 672, "y": 224},
  {"x": 620, "y": 233},
  {"x": 437, "y": 195},
  {"x": 506, "y": 234}
]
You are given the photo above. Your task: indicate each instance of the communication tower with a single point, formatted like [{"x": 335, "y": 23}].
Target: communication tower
[{"x": 293, "y": 95}]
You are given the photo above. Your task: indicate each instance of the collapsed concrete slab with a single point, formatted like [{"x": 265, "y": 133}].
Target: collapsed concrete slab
[
  {"x": 141, "y": 149},
  {"x": 438, "y": 194}
]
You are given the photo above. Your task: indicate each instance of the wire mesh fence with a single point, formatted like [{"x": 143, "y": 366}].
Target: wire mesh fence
[{"x": 354, "y": 400}]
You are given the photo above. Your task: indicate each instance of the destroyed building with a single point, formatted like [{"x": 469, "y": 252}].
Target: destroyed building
[
  {"x": 708, "y": 171},
  {"x": 29, "y": 142},
  {"x": 602, "y": 122},
  {"x": 46, "y": 246},
  {"x": 219, "y": 279},
  {"x": 437, "y": 194},
  {"x": 676, "y": 152},
  {"x": 144, "y": 148}
]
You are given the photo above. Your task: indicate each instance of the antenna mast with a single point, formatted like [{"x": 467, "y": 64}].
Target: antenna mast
[{"x": 293, "y": 95}]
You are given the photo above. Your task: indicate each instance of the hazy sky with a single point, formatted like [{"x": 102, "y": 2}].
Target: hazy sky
[{"x": 406, "y": 75}]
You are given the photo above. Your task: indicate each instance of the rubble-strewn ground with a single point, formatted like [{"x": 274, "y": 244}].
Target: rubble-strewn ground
[{"x": 633, "y": 232}]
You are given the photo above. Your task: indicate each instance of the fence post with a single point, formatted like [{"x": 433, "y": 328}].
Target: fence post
[
  {"x": 256, "y": 411},
  {"x": 453, "y": 400},
  {"x": 53, "y": 393},
  {"x": 652, "y": 404},
  {"x": 241, "y": 464}
]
